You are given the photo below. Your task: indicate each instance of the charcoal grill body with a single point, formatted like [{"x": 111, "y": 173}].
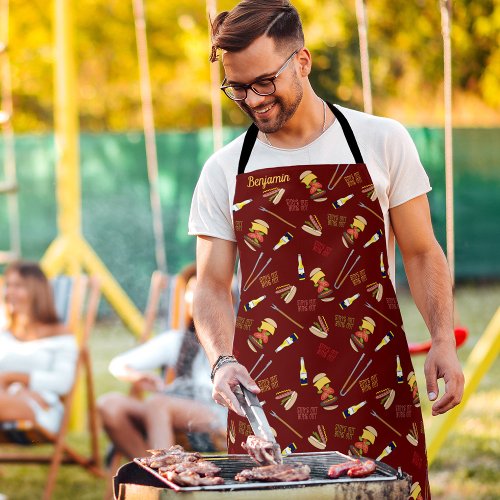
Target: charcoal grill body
[{"x": 134, "y": 481}]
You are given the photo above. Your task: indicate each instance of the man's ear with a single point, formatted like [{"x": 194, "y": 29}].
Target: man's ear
[{"x": 305, "y": 62}]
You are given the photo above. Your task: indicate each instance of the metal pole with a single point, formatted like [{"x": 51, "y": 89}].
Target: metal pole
[
  {"x": 149, "y": 134},
  {"x": 448, "y": 135},
  {"x": 365, "y": 58},
  {"x": 215, "y": 93}
]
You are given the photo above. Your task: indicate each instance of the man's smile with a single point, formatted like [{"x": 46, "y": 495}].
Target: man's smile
[{"x": 263, "y": 111}]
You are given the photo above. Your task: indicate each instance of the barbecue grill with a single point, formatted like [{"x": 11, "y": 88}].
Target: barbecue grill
[{"x": 385, "y": 482}]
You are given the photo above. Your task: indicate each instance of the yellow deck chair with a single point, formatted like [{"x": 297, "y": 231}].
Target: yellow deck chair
[{"x": 79, "y": 311}]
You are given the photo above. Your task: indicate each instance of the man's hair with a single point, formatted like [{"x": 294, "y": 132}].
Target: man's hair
[{"x": 235, "y": 30}]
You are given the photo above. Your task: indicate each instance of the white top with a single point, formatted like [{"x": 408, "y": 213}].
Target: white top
[
  {"x": 163, "y": 350},
  {"x": 49, "y": 361},
  {"x": 387, "y": 149}
]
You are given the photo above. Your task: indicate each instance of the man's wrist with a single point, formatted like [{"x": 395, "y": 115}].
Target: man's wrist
[
  {"x": 445, "y": 339},
  {"x": 222, "y": 360}
]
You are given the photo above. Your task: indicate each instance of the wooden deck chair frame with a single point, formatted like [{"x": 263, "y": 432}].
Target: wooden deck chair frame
[
  {"x": 85, "y": 291},
  {"x": 159, "y": 283}
]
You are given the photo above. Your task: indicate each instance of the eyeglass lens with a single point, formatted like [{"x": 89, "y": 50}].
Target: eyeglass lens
[{"x": 264, "y": 87}]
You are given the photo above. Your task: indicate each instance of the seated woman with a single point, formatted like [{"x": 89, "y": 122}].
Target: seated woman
[
  {"x": 185, "y": 405},
  {"x": 37, "y": 354}
]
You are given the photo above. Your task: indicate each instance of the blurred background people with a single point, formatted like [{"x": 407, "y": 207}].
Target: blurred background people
[
  {"x": 184, "y": 406},
  {"x": 37, "y": 353}
]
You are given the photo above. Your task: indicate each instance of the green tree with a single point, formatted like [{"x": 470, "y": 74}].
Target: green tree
[{"x": 405, "y": 49}]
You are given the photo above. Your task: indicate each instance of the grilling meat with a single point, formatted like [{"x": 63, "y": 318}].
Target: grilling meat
[
  {"x": 353, "y": 468},
  {"x": 338, "y": 470},
  {"x": 183, "y": 468},
  {"x": 162, "y": 458},
  {"x": 365, "y": 469},
  {"x": 189, "y": 478},
  {"x": 202, "y": 467},
  {"x": 281, "y": 472},
  {"x": 163, "y": 461},
  {"x": 262, "y": 451}
]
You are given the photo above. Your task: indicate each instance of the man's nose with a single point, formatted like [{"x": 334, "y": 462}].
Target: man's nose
[{"x": 253, "y": 100}]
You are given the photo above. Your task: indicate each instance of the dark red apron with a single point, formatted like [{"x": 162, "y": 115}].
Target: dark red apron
[{"x": 319, "y": 326}]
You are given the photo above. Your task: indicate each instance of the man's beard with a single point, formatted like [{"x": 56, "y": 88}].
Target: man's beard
[{"x": 286, "y": 109}]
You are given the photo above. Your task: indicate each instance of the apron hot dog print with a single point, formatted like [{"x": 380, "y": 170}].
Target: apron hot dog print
[{"x": 319, "y": 326}]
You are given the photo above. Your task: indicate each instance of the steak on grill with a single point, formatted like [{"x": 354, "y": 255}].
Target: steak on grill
[
  {"x": 189, "y": 478},
  {"x": 174, "y": 455},
  {"x": 183, "y": 468},
  {"x": 281, "y": 472},
  {"x": 260, "y": 450},
  {"x": 202, "y": 467}
]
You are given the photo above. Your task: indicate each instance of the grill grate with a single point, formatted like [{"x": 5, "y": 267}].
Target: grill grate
[{"x": 318, "y": 462}]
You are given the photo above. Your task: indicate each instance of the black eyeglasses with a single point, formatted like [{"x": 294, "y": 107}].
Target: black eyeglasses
[{"x": 266, "y": 86}]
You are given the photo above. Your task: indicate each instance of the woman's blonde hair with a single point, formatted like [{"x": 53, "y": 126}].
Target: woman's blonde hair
[{"x": 42, "y": 308}]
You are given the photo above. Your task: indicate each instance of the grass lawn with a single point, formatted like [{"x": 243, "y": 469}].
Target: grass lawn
[{"x": 466, "y": 468}]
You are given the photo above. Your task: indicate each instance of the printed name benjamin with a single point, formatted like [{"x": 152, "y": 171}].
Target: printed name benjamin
[{"x": 264, "y": 181}]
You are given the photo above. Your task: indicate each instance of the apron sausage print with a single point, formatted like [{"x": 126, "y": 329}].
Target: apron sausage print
[{"x": 319, "y": 326}]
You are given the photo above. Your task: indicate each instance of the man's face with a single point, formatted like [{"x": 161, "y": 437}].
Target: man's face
[{"x": 262, "y": 60}]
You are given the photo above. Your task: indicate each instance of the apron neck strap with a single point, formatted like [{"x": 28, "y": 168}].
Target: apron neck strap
[
  {"x": 348, "y": 133},
  {"x": 246, "y": 150},
  {"x": 251, "y": 137}
]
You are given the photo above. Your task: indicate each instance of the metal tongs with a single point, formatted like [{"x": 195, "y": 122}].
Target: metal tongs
[{"x": 252, "y": 408}]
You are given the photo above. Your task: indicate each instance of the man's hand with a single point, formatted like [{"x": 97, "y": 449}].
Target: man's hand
[
  {"x": 431, "y": 287},
  {"x": 442, "y": 362},
  {"x": 228, "y": 377}
]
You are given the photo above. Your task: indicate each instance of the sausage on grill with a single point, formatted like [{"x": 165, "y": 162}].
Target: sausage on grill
[
  {"x": 364, "y": 469},
  {"x": 338, "y": 470}
]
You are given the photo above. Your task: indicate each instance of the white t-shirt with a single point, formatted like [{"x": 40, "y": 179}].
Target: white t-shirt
[{"x": 386, "y": 147}]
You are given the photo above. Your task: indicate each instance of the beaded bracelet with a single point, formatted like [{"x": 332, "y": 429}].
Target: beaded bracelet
[{"x": 222, "y": 360}]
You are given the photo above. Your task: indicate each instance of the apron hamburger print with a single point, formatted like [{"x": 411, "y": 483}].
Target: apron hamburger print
[{"x": 319, "y": 326}]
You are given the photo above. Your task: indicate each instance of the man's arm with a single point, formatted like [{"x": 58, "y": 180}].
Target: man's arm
[
  {"x": 430, "y": 284},
  {"x": 214, "y": 315}
]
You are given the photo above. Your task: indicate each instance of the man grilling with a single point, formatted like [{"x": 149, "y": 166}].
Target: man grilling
[{"x": 369, "y": 171}]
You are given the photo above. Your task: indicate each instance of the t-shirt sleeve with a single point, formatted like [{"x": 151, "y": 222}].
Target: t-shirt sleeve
[
  {"x": 210, "y": 207},
  {"x": 408, "y": 178}
]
